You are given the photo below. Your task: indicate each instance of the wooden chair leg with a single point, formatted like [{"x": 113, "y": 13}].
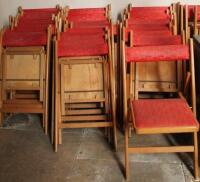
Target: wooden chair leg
[
  {"x": 196, "y": 160},
  {"x": 126, "y": 152},
  {"x": 115, "y": 138},
  {"x": 60, "y": 136}
]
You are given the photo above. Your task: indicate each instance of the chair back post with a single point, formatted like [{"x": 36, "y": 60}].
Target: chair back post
[
  {"x": 55, "y": 77},
  {"x": 192, "y": 70},
  {"x": 181, "y": 18},
  {"x": 186, "y": 24},
  {"x": 125, "y": 109},
  {"x": 195, "y": 20},
  {"x": 175, "y": 25}
]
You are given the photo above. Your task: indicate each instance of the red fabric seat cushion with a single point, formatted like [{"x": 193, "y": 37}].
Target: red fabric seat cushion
[
  {"x": 157, "y": 53},
  {"x": 93, "y": 39},
  {"x": 162, "y": 113},
  {"x": 79, "y": 50},
  {"x": 149, "y": 13},
  {"x": 87, "y": 17},
  {"x": 85, "y": 31},
  {"x": 146, "y": 40},
  {"x": 152, "y": 27},
  {"x": 91, "y": 24},
  {"x": 148, "y": 22},
  {"x": 86, "y": 11},
  {"x": 146, "y": 33},
  {"x": 18, "y": 39}
]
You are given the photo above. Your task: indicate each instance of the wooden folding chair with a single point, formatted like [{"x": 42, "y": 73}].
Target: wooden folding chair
[
  {"x": 25, "y": 73},
  {"x": 83, "y": 99},
  {"x": 160, "y": 116}
]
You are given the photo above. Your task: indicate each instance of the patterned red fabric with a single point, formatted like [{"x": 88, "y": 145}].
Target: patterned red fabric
[
  {"x": 91, "y": 24},
  {"x": 146, "y": 40},
  {"x": 17, "y": 39},
  {"x": 162, "y": 113},
  {"x": 157, "y": 53},
  {"x": 77, "y": 50}
]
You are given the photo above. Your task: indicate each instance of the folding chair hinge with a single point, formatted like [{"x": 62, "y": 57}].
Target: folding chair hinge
[
  {"x": 34, "y": 56},
  {"x": 11, "y": 56}
]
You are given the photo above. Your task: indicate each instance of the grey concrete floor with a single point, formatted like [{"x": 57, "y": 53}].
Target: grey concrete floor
[{"x": 26, "y": 155}]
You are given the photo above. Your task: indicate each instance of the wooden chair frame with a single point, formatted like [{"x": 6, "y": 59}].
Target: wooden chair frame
[
  {"x": 168, "y": 149},
  {"x": 105, "y": 121},
  {"x": 22, "y": 103}
]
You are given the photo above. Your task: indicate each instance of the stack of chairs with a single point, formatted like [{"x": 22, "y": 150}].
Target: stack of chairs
[
  {"x": 84, "y": 74},
  {"x": 149, "y": 42},
  {"x": 190, "y": 18},
  {"x": 25, "y": 62}
]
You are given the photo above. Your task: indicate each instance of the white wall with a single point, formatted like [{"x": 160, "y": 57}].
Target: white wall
[{"x": 8, "y": 7}]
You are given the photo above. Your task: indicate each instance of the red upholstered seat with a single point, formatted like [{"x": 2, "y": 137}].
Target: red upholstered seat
[
  {"x": 148, "y": 22},
  {"x": 146, "y": 40},
  {"x": 34, "y": 28},
  {"x": 147, "y": 33},
  {"x": 83, "y": 40},
  {"x": 87, "y": 17},
  {"x": 152, "y": 27},
  {"x": 157, "y": 53},
  {"x": 85, "y": 31},
  {"x": 91, "y": 24},
  {"x": 17, "y": 39},
  {"x": 147, "y": 13},
  {"x": 85, "y": 11},
  {"x": 158, "y": 115},
  {"x": 77, "y": 50}
]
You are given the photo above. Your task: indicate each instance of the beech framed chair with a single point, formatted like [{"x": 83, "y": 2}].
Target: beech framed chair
[
  {"x": 83, "y": 99},
  {"x": 26, "y": 62},
  {"x": 160, "y": 116}
]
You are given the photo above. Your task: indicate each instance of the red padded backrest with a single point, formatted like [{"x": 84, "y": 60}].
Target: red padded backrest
[
  {"x": 85, "y": 31},
  {"x": 157, "y": 53},
  {"x": 146, "y": 40},
  {"x": 149, "y": 13},
  {"x": 24, "y": 39},
  {"x": 77, "y": 50},
  {"x": 86, "y": 11},
  {"x": 147, "y": 22},
  {"x": 152, "y": 27},
  {"x": 91, "y": 24},
  {"x": 146, "y": 33},
  {"x": 83, "y": 40},
  {"x": 87, "y": 17}
]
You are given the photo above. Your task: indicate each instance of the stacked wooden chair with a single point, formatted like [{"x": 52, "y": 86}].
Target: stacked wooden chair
[
  {"x": 25, "y": 62},
  {"x": 84, "y": 73},
  {"x": 190, "y": 18},
  {"x": 162, "y": 115}
]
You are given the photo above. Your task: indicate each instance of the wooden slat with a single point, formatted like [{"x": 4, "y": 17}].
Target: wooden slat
[
  {"x": 84, "y": 100},
  {"x": 84, "y": 118},
  {"x": 83, "y": 112},
  {"x": 161, "y": 149},
  {"x": 87, "y": 125}
]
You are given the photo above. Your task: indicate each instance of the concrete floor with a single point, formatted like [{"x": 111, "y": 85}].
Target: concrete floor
[{"x": 26, "y": 155}]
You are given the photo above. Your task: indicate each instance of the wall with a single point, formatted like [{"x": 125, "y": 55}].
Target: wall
[{"x": 8, "y": 7}]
